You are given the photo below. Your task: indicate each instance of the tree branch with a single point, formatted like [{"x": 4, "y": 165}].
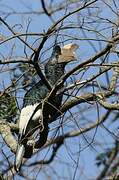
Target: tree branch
[
  {"x": 6, "y": 133},
  {"x": 16, "y": 34}
]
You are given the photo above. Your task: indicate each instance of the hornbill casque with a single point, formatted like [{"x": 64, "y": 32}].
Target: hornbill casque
[{"x": 32, "y": 116}]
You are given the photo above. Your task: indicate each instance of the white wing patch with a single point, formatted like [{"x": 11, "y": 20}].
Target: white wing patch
[{"x": 25, "y": 116}]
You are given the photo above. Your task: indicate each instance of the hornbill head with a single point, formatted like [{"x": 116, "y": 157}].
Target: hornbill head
[{"x": 65, "y": 54}]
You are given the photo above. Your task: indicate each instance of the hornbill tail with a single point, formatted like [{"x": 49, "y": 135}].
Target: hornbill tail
[{"x": 19, "y": 156}]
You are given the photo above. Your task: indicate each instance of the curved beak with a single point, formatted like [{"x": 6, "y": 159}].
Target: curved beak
[{"x": 68, "y": 53}]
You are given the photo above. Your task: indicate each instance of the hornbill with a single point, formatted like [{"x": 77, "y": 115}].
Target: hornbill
[{"x": 32, "y": 115}]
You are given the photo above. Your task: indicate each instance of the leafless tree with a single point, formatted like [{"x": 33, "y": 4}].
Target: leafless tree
[{"x": 83, "y": 140}]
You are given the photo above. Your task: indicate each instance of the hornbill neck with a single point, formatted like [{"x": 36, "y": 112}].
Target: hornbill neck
[{"x": 54, "y": 71}]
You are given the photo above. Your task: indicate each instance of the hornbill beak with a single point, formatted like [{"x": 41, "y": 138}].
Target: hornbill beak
[{"x": 68, "y": 53}]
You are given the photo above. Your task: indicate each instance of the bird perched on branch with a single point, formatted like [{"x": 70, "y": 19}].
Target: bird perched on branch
[{"x": 32, "y": 116}]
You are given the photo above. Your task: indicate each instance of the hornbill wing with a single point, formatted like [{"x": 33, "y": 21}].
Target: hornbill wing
[
  {"x": 30, "y": 118},
  {"x": 35, "y": 94},
  {"x": 28, "y": 114}
]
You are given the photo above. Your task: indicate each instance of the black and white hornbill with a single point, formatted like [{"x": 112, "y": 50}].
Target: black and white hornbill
[{"x": 31, "y": 114}]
